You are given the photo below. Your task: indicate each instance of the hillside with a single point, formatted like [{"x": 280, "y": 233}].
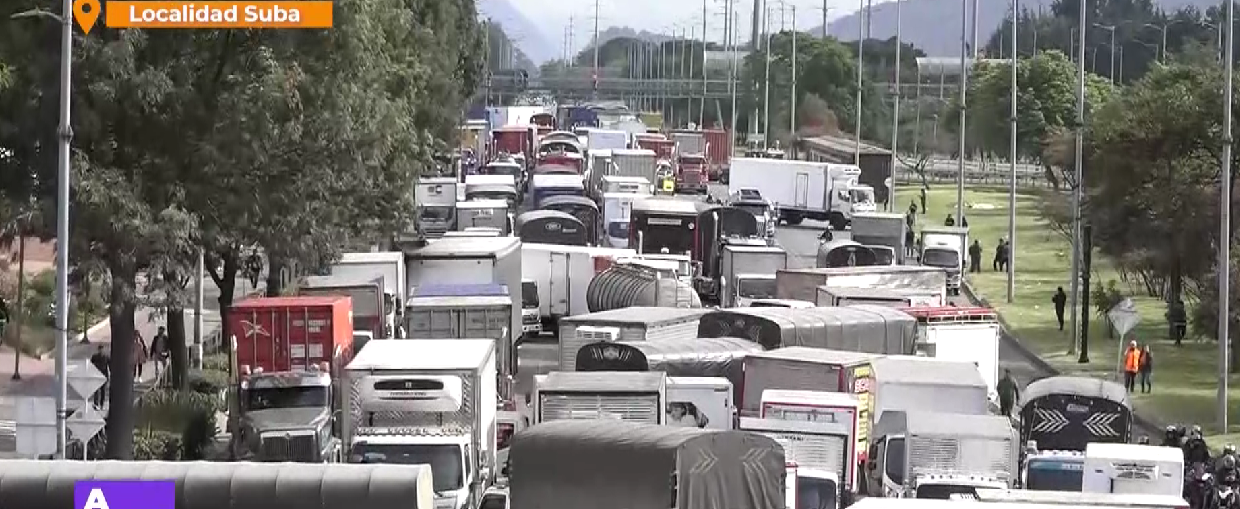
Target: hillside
[{"x": 531, "y": 42}]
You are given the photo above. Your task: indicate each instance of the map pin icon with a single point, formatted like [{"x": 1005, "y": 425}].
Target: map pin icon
[{"x": 86, "y": 12}]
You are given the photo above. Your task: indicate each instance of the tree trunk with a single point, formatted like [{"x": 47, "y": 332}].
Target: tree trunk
[
  {"x": 178, "y": 348},
  {"x": 121, "y": 309},
  {"x": 275, "y": 276},
  {"x": 227, "y": 283}
]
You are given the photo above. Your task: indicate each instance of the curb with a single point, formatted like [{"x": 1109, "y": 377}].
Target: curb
[{"x": 1151, "y": 426}]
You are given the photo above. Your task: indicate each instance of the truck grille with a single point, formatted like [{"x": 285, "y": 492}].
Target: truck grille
[
  {"x": 562, "y": 407},
  {"x": 530, "y": 319},
  {"x": 827, "y": 452},
  {"x": 937, "y": 455},
  {"x": 288, "y": 447}
]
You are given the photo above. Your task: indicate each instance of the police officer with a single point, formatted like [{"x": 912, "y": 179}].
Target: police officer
[
  {"x": 1195, "y": 449},
  {"x": 1171, "y": 436},
  {"x": 1225, "y": 470}
]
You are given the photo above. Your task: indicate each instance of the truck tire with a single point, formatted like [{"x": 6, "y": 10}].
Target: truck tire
[
  {"x": 838, "y": 223},
  {"x": 793, "y": 218}
]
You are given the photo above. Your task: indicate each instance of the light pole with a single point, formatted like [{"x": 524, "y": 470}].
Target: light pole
[
  {"x": 860, "y": 71},
  {"x": 792, "y": 113},
  {"x": 1110, "y": 28},
  {"x": 1079, "y": 178},
  {"x": 1011, "y": 252},
  {"x": 1162, "y": 51},
  {"x": 964, "y": 79},
  {"x": 895, "y": 113},
  {"x": 735, "y": 19},
  {"x": 1224, "y": 244},
  {"x": 766, "y": 85},
  {"x": 1219, "y": 40},
  {"x": 702, "y": 111}
]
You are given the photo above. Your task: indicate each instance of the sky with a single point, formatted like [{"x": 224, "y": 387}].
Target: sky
[{"x": 663, "y": 15}]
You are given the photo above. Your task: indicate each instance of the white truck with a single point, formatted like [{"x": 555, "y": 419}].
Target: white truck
[
  {"x": 606, "y": 139},
  {"x": 748, "y": 272},
  {"x": 562, "y": 275},
  {"x": 819, "y": 433},
  {"x": 617, "y": 213},
  {"x": 464, "y": 311},
  {"x": 436, "y": 198},
  {"x": 483, "y": 214},
  {"x": 829, "y": 296},
  {"x": 389, "y": 264},
  {"x": 1133, "y": 469},
  {"x": 937, "y": 454},
  {"x": 699, "y": 401},
  {"x": 625, "y": 184},
  {"x": 804, "y": 190},
  {"x": 621, "y": 395},
  {"x": 635, "y": 163},
  {"x": 430, "y": 402},
  {"x": 689, "y": 142},
  {"x": 802, "y": 284},
  {"x": 883, "y": 233},
  {"x": 946, "y": 247},
  {"x": 964, "y": 334}
]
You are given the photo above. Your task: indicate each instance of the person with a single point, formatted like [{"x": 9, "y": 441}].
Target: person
[
  {"x": 912, "y": 211},
  {"x": 1145, "y": 368},
  {"x": 950, "y": 221},
  {"x": 975, "y": 256},
  {"x": 1171, "y": 436},
  {"x": 997, "y": 264},
  {"x": 254, "y": 268},
  {"x": 910, "y": 219},
  {"x": 910, "y": 242},
  {"x": 1008, "y": 392},
  {"x": 678, "y": 415},
  {"x": 964, "y": 222},
  {"x": 1060, "y": 300},
  {"x": 1195, "y": 448},
  {"x": 159, "y": 350},
  {"x": 923, "y": 200},
  {"x": 1177, "y": 318},
  {"x": 139, "y": 355},
  {"x": 100, "y": 361},
  {"x": 1132, "y": 364}
]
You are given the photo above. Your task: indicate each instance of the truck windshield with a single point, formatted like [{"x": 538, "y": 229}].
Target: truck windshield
[
  {"x": 883, "y": 255},
  {"x": 1052, "y": 475},
  {"x": 674, "y": 238},
  {"x": 815, "y": 493},
  {"x": 758, "y": 210},
  {"x": 862, "y": 195},
  {"x": 444, "y": 460},
  {"x": 286, "y": 397},
  {"x": 529, "y": 294},
  {"x": 489, "y": 195},
  {"x": 437, "y": 213},
  {"x": 943, "y": 258},
  {"x": 756, "y": 288},
  {"x": 944, "y": 491},
  {"x": 618, "y": 229}
]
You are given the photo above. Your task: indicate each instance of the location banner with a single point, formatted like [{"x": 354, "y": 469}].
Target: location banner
[{"x": 124, "y": 494}]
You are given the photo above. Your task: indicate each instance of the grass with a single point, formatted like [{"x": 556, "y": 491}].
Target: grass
[{"x": 1184, "y": 377}]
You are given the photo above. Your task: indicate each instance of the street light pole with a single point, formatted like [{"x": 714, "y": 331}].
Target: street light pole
[
  {"x": 895, "y": 113},
  {"x": 766, "y": 86},
  {"x": 702, "y": 111},
  {"x": 735, "y": 20},
  {"x": 792, "y": 113},
  {"x": 1079, "y": 178},
  {"x": 1224, "y": 245},
  {"x": 860, "y": 72},
  {"x": 1011, "y": 252},
  {"x": 964, "y": 79},
  {"x": 65, "y": 133}
]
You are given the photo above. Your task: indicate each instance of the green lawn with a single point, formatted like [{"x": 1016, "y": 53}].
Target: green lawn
[{"x": 1184, "y": 377}]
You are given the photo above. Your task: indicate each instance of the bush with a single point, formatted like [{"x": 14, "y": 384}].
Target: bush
[
  {"x": 215, "y": 362},
  {"x": 198, "y": 436},
  {"x": 173, "y": 411},
  {"x": 208, "y": 381},
  {"x": 156, "y": 445}
]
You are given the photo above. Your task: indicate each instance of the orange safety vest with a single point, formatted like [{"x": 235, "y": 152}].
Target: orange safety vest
[{"x": 1132, "y": 360}]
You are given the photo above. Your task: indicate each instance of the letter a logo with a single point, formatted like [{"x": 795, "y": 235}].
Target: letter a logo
[{"x": 96, "y": 500}]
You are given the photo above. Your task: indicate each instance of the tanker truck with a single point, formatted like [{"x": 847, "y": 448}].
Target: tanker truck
[
  {"x": 29, "y": 484},
  {"x": 634, "y": 284}
]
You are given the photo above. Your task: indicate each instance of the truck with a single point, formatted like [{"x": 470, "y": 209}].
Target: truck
[
  {"x": 871, "y": 329},
  {"x": 1066, "y": 413},
  {"x": 945, "y": 247},
  {"x": 430, "y": 402},
  {"x": 578, "y": 395},
  {"x": 804, "y": 190},
  {"x": 748, "y": 272},
  {"x": 551, "y": 227},
  {"x": 718, "y": 150},
  {"x": 1048, "y": 499},
  {"x": 558, "y": 464},
  {"x": 617, "y": 214},
  {"x": 436, "y": 197},
  {"x": 700, "y": 402},
  {"x": 628, "y": 324},
  {"x": 819, "y": 433},
  {"x": 716, "y": 227},
  {"x": 635, "y": 163},
  {"x": 388, "y": 264},
  {"x": 912, "y": 383},
  {"x": 1133, "y": 469},
  {"x": 371, "y": 312},
  {"x": 562, "y": 275},
  {"x": 925, "y": 454},
  {"x": 543, "y": 186},
  {"x": 966, "y": 334},
  {"x": 635, "y": 283},
  {"x": 881, "y": 231},
  {"x": 469, "y": 260},
  {"x": 829, "y": 296},
  {"x": 600, "y": 165},
  {"x": 531, "y": 320},
  {"x": 802, "y": 284},
  {"x": 513, "y": 140},
  {"x": 483, "y": 214},
  {"x": 663, "y": 225},
  {"x": 606, "y": 139},
  {"x": 288, "y": 351},
  {"x": 211, "y": 485},
  {"x": 695, "y": 357},
  {"x": 663, "y": 148},
  {"x": 467, "y": 311},
  {"x": 619, "y": 184},
  {"x": 692, "y": 173}
]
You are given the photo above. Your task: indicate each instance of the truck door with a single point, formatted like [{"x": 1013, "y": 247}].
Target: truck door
[
  {"x": 801, "y": 193},
  {"x": 892, "y": 466},
  {"x": 558, "y": 287}
]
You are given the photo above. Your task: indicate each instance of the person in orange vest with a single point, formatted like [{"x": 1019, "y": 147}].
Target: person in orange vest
[{"x": 1132, "y": 364}]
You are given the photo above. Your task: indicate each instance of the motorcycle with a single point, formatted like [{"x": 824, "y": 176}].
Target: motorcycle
[{"x": 1199, "y": 488}]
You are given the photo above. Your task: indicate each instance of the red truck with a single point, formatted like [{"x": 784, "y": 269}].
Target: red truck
[
  {"x": 662, "y": 147},
  {"x": 691, "y": 173},
  {"x": 371, "y": 310},
  {"x": 512, "y": 140},
  {"x": 292, "y": 333},
  {"x": 718, "y": 150}
]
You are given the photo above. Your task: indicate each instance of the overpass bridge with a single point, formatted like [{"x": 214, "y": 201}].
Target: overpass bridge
[{"x": 579, "y": 87}]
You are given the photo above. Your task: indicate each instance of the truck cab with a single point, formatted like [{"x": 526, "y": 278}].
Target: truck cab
[
  {"x": 1133, "y": 469},
  {"x": 531, "y": 323},
  {"x": 747, "y": 272},
  {"x": 436, "y": 198},
  {"x": 1052, "y": 470},
  {"x": 287, "y": 416},
  {"x": 449, "y": 455},
  {"x": 761, "y": 209},
  {"x": 905, "y": 459},
  {"x": 617, "y": 209},
  {"x": 944, "y": 247},
  {"x": 692, "y": 173},
  {"x": 809, "y": 488}
]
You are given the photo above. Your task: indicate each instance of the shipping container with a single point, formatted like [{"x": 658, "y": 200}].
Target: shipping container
[{"x": 292, "y": 333}]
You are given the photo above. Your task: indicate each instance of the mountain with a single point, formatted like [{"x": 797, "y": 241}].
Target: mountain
[
  {"x": 626, "y": 32},
  {"x": 530, "y": 40},
  {"x": 934, "y": 25}
]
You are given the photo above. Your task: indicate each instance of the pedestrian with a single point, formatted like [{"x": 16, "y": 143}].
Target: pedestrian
[
  {"x": 1132, "y": 364},
  {"x": 910, "y": 242},
  {"x": 923, "y": 199},
  {"x": 1060, "y": 300},
  {"x": 975, "y": 257},
  {"x": 1177, "y": 318},
  {"x": 1008, "y": 393},
  {"x": 912, "y": 210},
  {"x": 1146, "y": 368},
  {"x": 997, "y": 264},
  {"x": 950, "y": 221},
  {"x": 139, "y": 357},
  {"x": 910, "y": 218},
  {"x": 100, "y": 361},
  {"x": 160, "y": 351},
  {"x": 964, "y": 222}
]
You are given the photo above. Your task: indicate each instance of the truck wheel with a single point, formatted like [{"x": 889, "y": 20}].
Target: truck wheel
[
  {"x": 793, "y": 219},
  {"x": 837, "y": 223}
]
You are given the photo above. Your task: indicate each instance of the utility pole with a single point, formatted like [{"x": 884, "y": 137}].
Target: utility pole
[
  {"x": 1110, "y": 28},
  {"x": 199, "y": 271},
  {"x": 825, "y": 9},
  {"x": 975, "y": 8},
  {"x": 766, "y": 90},
  {"x": 1011, "y": 252},
  {"x": 597, "y": 43},
  {"x": 735, "y": 39},
  {"x": 1080, "y": 181},
  {"x": 964, "y": 78},
  {"x": 571, "y": 55},
  {"x": 895, "y": 113},
  {"x": 869, "y": 18},
  {"x": 65, "y": 133},
  {"x": 792, "y": 113},
  {"x": 702, "y": 111},
  {"x": 1224, "y": 244},
  {"x": 860, "y": 73}
]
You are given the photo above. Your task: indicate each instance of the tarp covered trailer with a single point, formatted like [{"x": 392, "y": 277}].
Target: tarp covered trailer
[
  {"x": 690, "y": 357},
  {"x": 628, "y": 324},
  {"x": 620, "y": 465},
  {"x": 551, "y": 227},
  {"x": 29, "y": 484},
  {"x": 866, "y": 328},
  {"x": 1065, "y": 413}
]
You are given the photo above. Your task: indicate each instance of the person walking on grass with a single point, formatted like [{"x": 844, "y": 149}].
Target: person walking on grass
[
  {"x": 1008, "y": 391},
  {"x": 923, "y": 200},
  {"x": 1060, "y": 300},
  {"x": 975, "y": 257},
  {"x": 1145, "y": 369},
  {"x": 140, "y": 355},
  {"x": 1132, "y": 364}
]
